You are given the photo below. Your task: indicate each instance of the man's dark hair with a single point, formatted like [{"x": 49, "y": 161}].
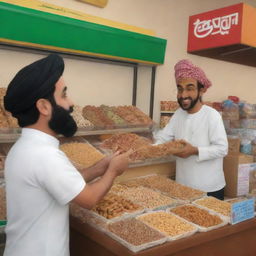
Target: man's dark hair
[
  {"x": 28, "y": 117},
  {"x": 199, "y": 87},
  {"x": 31, "y": 115}
]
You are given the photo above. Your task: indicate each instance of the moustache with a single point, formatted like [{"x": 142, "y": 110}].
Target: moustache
[{"x": 187, "y": 98}]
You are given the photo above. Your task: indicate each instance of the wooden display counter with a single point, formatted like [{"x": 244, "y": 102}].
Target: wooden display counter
[{"x": 231, "y": 240}]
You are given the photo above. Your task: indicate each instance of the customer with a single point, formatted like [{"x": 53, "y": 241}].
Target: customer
[
  {"x": 200, "y": 164},
  {"x": 40, "y": 180}
]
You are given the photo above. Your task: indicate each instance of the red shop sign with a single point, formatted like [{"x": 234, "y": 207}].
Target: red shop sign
[{"x": 215, "y": 28}]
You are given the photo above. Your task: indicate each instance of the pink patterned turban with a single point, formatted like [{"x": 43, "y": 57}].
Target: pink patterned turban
[{"x": 186, "y": 69}]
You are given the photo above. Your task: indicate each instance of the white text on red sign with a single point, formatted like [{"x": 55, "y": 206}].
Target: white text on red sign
[{"x": 219, "y": 25}]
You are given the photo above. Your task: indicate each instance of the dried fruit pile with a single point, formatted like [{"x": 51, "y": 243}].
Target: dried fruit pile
[{"x": 113, "y": 205}]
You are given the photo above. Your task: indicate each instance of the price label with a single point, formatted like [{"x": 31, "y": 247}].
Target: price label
[{"x": 242, "y": 211}]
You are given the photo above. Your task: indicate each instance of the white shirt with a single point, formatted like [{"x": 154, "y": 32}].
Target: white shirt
[
  {"x": 40, "y": 182},
  {"x": 204, "y": 130}
]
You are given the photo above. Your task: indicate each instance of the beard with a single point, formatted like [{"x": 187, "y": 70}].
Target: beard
[
  {"x": 62, "y": 122},
  {"x": 190, "y": 105}
]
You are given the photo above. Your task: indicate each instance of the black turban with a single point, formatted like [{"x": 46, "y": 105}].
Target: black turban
[{"x": 33, "y": 82}]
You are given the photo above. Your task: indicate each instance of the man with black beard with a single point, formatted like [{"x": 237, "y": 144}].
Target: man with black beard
[
  {"x": 200, "y": 163},
  {"x": 40, "y": 179}
]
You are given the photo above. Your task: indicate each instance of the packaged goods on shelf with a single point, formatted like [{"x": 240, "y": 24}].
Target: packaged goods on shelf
[
  {"x": 237, "y": 169},
  {"x": 247, "y": 110},
  {"x": 235, "y": 124},
  {"x": 248, "y": 123},
  {"x": 230, "y": 110},
  {"x": 233, "y": 144}
]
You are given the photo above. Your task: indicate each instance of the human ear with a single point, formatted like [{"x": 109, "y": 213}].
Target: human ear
[
  {"x": 44, "y": 107},
  {"x": 202, "y": 90}
]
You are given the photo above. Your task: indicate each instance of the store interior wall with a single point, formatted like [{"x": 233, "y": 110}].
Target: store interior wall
[{"x": 97, "y": 83}]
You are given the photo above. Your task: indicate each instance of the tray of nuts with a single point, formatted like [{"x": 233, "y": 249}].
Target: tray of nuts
[
  {"x": 135, "y": 235},
  {"x": 76, "y": 149},
  {"x": 203, "y": 219},
  {"x": 168, "y": 187},
  {"x": 169, "y": 224},
  {"x": 113, "y": 207},
  {"x": 86, "y": 216},
  {"x": 147, "y": 198},
  {"x": 215, "y": 205}
]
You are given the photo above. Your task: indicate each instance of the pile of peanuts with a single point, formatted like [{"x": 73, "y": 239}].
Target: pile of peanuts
[
  {"x": 82, "y": 154},
  {"x": 146, "y": 197},
  {"x": 216, "y": 205},
  {"x": 167, "y": 223},
  {"x": 113, "y": 205},
  {"x": 134, "y": 231},
  {"x": 197, "y": 215}
]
